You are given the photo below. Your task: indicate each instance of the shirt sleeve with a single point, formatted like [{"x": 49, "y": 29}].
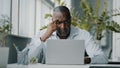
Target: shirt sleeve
[
  {"x": 94, "y": 51},
  {"x": 35, "y": 47}
]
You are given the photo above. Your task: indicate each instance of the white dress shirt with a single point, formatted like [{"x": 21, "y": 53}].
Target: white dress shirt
[{"x": 93, "y": 49}]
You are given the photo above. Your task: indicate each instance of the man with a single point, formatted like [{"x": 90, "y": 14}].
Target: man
[{"x": 61, "y": 28}]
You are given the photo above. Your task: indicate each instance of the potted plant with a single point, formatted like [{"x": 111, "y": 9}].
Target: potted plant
[
  {"x": 5, "y": 29},
  {"x": 93, "y": 21}
]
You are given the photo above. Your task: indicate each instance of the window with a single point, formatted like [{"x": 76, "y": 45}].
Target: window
[
  {"x": 5, "y": 6},
  {"x": 28, "y": 16},
  {"x": 23, "y": 17}
]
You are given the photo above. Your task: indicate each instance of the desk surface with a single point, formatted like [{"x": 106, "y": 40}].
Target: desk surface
[{"x": 38, "y": 65}]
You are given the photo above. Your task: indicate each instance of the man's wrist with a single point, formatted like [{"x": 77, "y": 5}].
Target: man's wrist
[{"x": 42, "y": 39}]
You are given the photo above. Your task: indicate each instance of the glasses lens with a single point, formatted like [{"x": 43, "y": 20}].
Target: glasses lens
[{"x": 58, "y": 22}]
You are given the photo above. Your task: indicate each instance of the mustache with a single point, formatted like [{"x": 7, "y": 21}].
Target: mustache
[{"x": 63, "y": 32}]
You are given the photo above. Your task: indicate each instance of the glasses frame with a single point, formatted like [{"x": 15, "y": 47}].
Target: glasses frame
[{"x": 65, "y": 22}]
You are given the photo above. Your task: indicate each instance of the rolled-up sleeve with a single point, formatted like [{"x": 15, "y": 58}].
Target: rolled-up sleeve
[{"x": 35, "y": 47}]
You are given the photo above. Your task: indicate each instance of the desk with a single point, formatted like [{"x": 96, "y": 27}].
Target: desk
[{"x": 38, "y": 65}]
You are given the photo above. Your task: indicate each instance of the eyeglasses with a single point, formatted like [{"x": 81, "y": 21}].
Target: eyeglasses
[{"x": 65, "y": 22}]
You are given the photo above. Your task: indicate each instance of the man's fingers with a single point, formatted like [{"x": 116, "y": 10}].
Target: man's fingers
[{"x": 55, "y": 21}]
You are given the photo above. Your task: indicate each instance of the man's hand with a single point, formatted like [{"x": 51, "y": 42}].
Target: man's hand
[
  {"x": 87, "y": 60},
  {"x": 51, "y": 28}
]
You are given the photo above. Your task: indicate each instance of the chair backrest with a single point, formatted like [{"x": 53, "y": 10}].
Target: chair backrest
[{"x": 20, "y": 42}]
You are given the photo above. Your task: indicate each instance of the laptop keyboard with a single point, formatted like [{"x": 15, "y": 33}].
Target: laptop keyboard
[
  {"x": 111, "y": 62},
  {"x": 104, "y": 66}
]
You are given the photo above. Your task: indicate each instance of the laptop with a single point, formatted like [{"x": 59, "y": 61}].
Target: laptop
[
  {"x": 4, "y": 51},
  {"x": 65, "y": 52}
]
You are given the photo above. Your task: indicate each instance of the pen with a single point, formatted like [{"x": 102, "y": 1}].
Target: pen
[{"x": 15, "y": 47}]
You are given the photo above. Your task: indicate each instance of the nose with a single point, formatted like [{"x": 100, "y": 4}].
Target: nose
[{"x": 62, "y": 25}]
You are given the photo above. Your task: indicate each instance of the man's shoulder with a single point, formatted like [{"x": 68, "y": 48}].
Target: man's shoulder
[{"x": 79, "y": 32}]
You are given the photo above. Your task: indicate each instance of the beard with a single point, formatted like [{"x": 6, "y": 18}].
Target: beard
[{"x": 63, "y": 33}]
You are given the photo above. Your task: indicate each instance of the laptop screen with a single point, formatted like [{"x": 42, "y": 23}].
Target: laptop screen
[{"x": 65, "y": 52}]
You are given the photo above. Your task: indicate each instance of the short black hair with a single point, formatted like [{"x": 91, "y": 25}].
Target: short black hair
[{"x": 63, "y": 9}]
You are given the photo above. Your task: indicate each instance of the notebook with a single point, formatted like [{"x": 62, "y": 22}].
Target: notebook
[
  {"x": 4, "y": 51},
  {"x": 65, "y": 52}
]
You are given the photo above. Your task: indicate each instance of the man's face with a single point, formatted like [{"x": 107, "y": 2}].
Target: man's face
[{"x": 63, "y": 24}]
